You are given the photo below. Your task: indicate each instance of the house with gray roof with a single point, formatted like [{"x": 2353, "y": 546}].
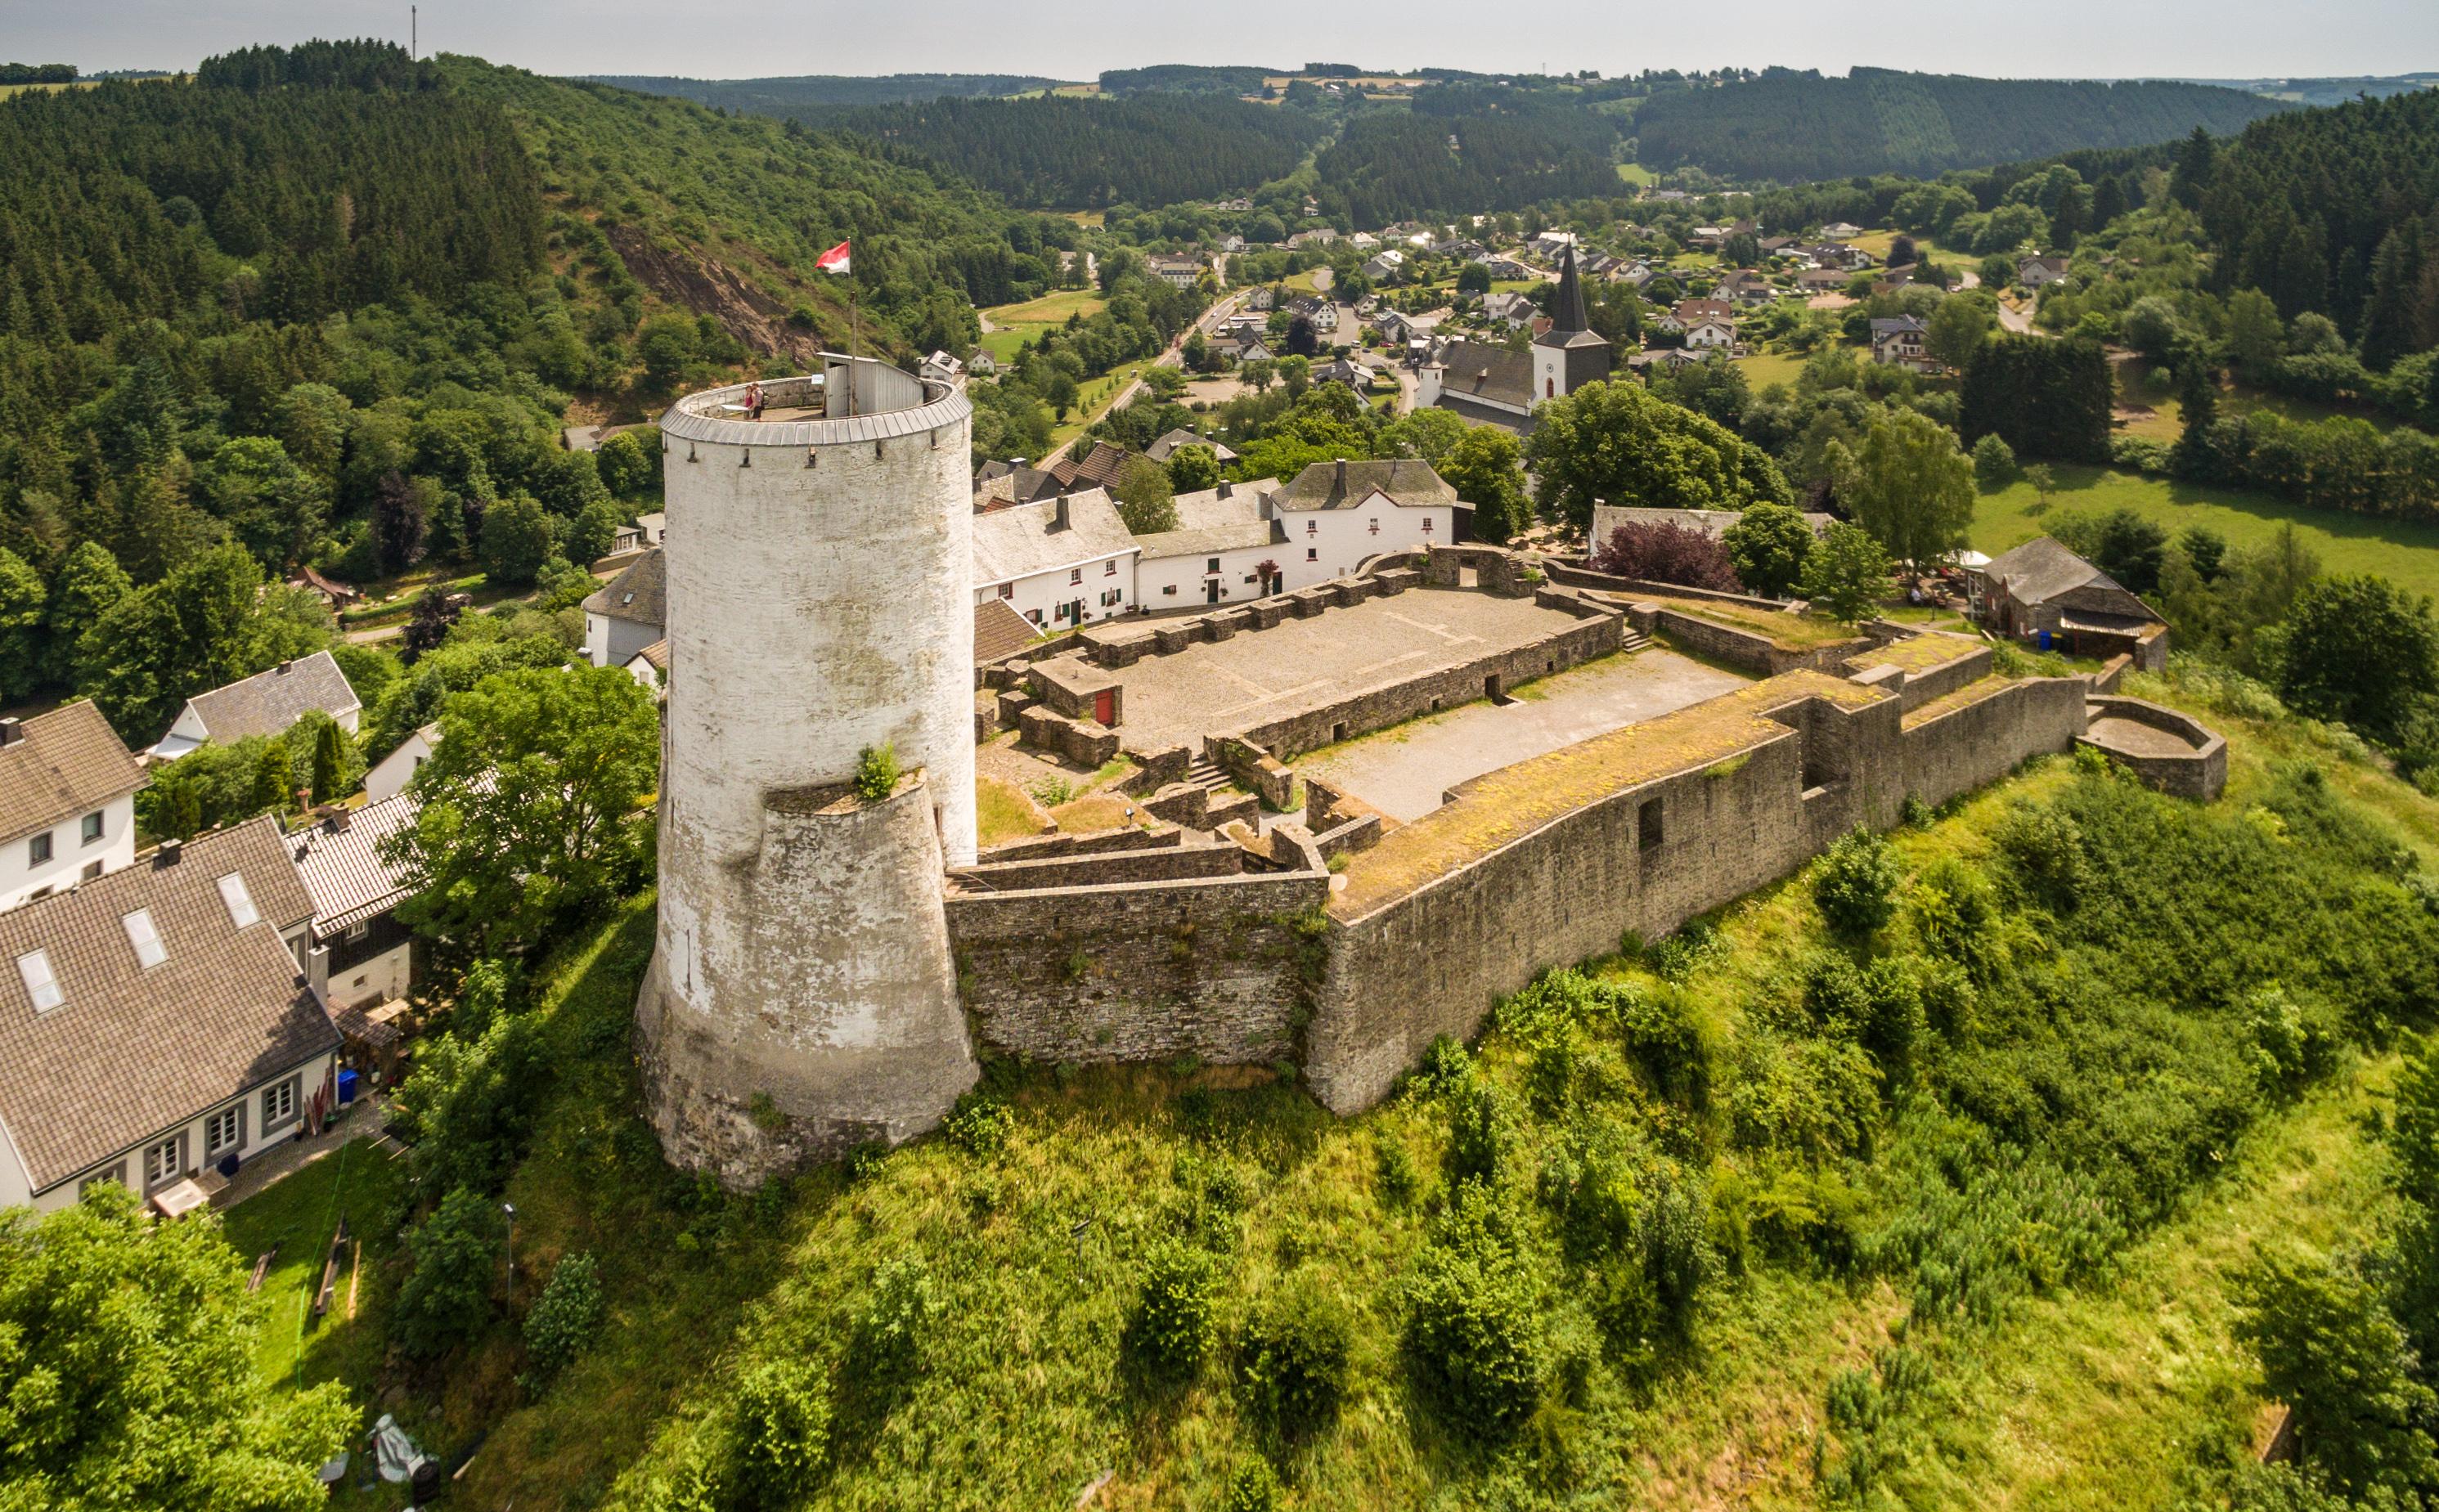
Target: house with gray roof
[
  {"x": 627, "y": 614},
  {"x": 359, "y": 955},
  {"x": 1162, "y": 450},
  {"x": 2044, "y": 594},
  {"x": 68, "y": 802},
  {"x": 1058, "y": 562},
  {"x": 154, "y": 1025},
  {"x": 266, "y": 703},
  {"x": 1335, "y": 515},
  {"x": 1227, "y": 548}
]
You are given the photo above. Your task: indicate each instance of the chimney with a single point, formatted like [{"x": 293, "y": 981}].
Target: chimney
[
  {"x": 1227, "y": 489},
  {"x": 1339, "y": 490},
  {"x": 11, "y": 731},
  {"x": 169, "y": 853},
  {"x": 284, "y": 667},
  {"x": 1060, "y": 522}
]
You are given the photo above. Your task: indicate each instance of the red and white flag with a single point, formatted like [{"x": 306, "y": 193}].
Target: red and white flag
[{"x": 834, "y": 260}]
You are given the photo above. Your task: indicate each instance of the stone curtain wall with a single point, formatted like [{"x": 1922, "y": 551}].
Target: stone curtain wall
[
  {"x": 2198, "y": 772},
  {"x": 1217, "y": 968},
  {"x": 1954, "y": 750}
]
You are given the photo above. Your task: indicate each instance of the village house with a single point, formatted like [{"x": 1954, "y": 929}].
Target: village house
[
  {"x": 1162, "y": 450},
  {"x": 1177, "y": 271},
  {"x": 68, "y": 802},
  {"x": 1841, "y": 231},
  {"x": 1505, "y": 270},
  {"x": 1320, "y": 236},
  {"x": 2035, "y": 272},
  {"x": 1898, "y": 340},
  {"x": 1514, "y": 310},
  {"x": 1232, "y": 243},
  {"x": 266, "y": 703},
  {"x": 1095, "y": 469},
  {"x": 629, "y": 614},
  {"x": 333, "y": 592},
  {"x": 648, "y": 531},
  {"x": 358, "y": 954},
  {"x": 1322, "y": 312},
  {"x": 1384, "y": 265},
  {"x": 650, "y": 668},
  {"x": 942, "y": 368},
  {"x": 1490, "y": 383},
  {"x": 1824, "y": 280},
  {"x": 389, "y": 776},
  {"x": 2046, "y": 594},
  {"x": 1226, "y": 545},
  {"x": 1333, "y": 515},
  {"x": 1060, "y": 562},
  {"x": 1363, "y": 241},
  {"x": 1711, "y": 332},
  {"x": 155, "y": 1025},
  {"x": 1261, "y": 298}
]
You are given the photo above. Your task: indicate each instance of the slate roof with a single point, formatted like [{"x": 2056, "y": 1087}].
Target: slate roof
[
  {"x": 1097, "y": 469},
  {"x": 1476, "y": 370},
  {"x": 639, "y": 594},
  {"x": 268, "y": 702},
  {"x": 1569, "y": 326},
  {"x": 343, "y": 870},
  {"x": 1345, "y": 485},
  {"x": 2042, "y": 571},
  {"x": 1022, "y": 540},
  {"x": 131, "y": 1051},
  {"x": 1162, "y": 450},
  {"x": 62, "y": 765},
  {"x": 1209, "y": 524},
  {"x": 1000, "y": 630}
]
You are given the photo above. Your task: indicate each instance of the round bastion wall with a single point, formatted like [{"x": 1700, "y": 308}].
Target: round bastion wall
[{"x": 802, "y": 997}]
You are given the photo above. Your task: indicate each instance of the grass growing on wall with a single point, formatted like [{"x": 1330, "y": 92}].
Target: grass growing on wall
[{"x": 1723, "y": 1074}]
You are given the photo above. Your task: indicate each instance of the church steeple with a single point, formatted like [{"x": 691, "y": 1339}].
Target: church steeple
[
  {"x": 1570, "y": 354},
  {"x": 1567, "y": 311}
]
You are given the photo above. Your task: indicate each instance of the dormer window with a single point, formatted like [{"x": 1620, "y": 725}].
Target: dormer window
[
  {"x": 34, "y": 967},
  {"x": 149, "y": 951},
  {"x": 240, "y": 902}
]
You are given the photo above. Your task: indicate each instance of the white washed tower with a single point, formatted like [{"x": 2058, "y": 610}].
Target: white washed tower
[{"x": 802, "y": 997}]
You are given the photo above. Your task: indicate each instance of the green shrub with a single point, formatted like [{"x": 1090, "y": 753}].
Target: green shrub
[
  {"x": 1395, "y": 1170},
  {"x": 564, "y": 1318},
  {"x": 1668, "y": 1040},
  {"x": 2046, "y": 847},
  {"x": 1994, "y": 462},
  {"x": 1856, "y": 883},
  {"x": 783, "y": 1429},
  {"x": 875, "y": 772},
  {"x": 1293, "y": 1362},
  {"x": 980, "y": 1125},
  {"x": 1473, "y": 1334},
  {"x": 446, "y": 1299},
  {"x": 1447, "y": 1066},
  {"x": 888, "y": 1347},
  {"x": 1479, "y": 1131},
  {"x": 1170, "y": 1329},
  {"x": 1253, "y": 1489}
]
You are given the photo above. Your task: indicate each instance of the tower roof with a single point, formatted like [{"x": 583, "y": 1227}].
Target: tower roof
[{"x": 1569, "y": 324}]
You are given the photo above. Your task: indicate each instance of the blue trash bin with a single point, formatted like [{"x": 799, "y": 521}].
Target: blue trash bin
[
  {"x": 2045, "y": 640},
  {"x": 346, "y": 1086}
]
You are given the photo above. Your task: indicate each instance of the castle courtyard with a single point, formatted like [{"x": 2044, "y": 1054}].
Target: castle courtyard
[
  {"x": 1405, "y": 770},
  {"x": 1303, "y": 665}
]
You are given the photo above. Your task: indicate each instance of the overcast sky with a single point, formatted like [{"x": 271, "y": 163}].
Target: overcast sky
[{"x": 2063, "y": 38}]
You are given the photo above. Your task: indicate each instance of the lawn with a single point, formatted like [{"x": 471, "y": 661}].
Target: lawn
[
  {"x": 1095, "y": 397},
  {"x": 358, "y": 1181},
  {"x": 2408, "y": 554},
  {"x": 1636, "y": 173},
  {"x": 1015, "y": 324},
  {"x": 1765, "y": 368},
  {"x": 1003, "y": 813}
]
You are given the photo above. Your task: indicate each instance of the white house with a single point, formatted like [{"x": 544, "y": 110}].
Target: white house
[
  {"x": 68, "y": 802},
  {"x": 265, "y": 703},
  {"x": 1711, "y": 331},
  {"x": 359, "y": 953},
  {"x": 1060, "y": 562},
  {"x": 2035, "y": 272},
  {"x": 627, "y": 614},
  {"x": 648, "y": 530},
  {"x": 1898, "y": 340},
  {"x": 1841, "y": 231},
  {"x": 389, "y": 776},
  {"x": 154, "y": 1026},
  {"x": 941, "y": 367},
  {"x": 1336, "y": 514},
  {"x": 1225, "y": 548},
  {"x": 651, "y": 668},
  {"x": 1385, "y": 264},
  {"x": 1178, "y": 272}
]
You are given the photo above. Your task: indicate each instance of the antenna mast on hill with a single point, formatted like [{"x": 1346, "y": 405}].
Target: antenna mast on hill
[{"x": 411, "y": 40}]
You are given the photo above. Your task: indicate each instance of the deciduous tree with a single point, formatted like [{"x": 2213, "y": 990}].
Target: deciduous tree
[{"x": 1909, "y": 486}]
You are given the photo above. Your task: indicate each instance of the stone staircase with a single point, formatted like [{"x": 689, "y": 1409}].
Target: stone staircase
[
  {"x": 1207, "y": 775},
  {"x": 1636, "y": 640}
]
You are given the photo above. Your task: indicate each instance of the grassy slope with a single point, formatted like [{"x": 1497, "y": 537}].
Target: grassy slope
[
  {"x": 2407, "y": 553},
  {"x": 2096, "y": 1395},
  {"x": 357, "y": 1183}
]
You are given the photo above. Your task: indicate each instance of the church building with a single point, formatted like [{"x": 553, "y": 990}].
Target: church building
[{"x": 1494, "y": 385}]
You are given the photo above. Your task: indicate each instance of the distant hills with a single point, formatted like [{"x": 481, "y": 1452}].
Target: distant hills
[
  {"x": 1794, "y": 126},
  {"x": 2332, "y": 91},
  {"x": 793, "y": 95}
]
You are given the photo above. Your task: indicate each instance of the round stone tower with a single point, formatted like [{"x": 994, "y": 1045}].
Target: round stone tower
[{"x": 802, "y": 997}]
